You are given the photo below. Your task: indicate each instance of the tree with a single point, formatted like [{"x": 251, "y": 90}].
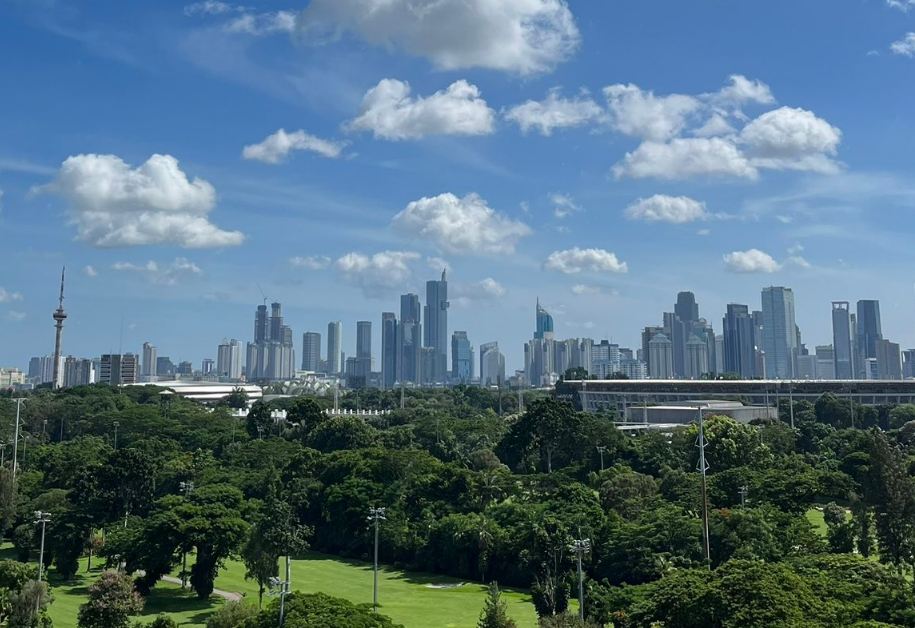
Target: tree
[
  {"x": 319, "y": 609},
  {"x": 259, "y": 420},
  {"x": 112, "y": 600},
  {"x": 889, "y": 491},
  {"x": 162, "y": 621},
  {"x": 237, "y": 399},
  {"x": 840, "y": 530},
  {"x": 542, "y": 431},
  {"x": 495, "y": 614},
  {"x": 232, "y": 615},
  {"x": 28, "y": 606},
  {"x": 216, "y": 529}
]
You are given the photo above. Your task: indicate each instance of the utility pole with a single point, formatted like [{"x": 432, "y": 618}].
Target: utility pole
[
  {"x": 703, "y": 468},
  {"x": 581, "y": 547},
  {"x": 601, "y": 449},
  {"x": 2, "y": 452},
  {"x": 743, "y": 495},
  {"x": 187, "y": 488},
  {"x": 43, "y": 518},
  {"x": 791, "y": 402},
  {"x": 116, "y": 425},
  {"x": 282, "y": 588},
  {"x": 376, "y": 515},
  {"x": 18, "y": 401}
]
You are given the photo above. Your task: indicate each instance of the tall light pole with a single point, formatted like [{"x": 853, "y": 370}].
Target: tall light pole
[
  {"x": 581, "y": 547},
  {"x": 282, "y": 588},
  {"x": 743, "y": 495},
  {"x": 187, "y": 488},
  {"x": 116, "y": 425},
  {"x": 43, "y": 518},
  {"x": 2, "y": 452},
  {"x": 376, "y": 515},
  {"x": 601, "y": 449},
  {"x": 18, "y": 401},
  {"x": 703, "y": 467}
]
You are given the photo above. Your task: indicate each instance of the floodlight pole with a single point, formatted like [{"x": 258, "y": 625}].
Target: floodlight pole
[
  {"x": 703, "y": 467},
  {"x": 186, "y": 488},
  {"x": 16, "y": 440},
  {"x": 43, "y": 518},
  {"x": 376, "y": 515},
  {"x": 601, "y": 449},
  {"x": 580, "y": 547}
]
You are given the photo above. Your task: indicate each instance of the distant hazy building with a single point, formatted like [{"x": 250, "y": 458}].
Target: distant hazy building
[
  {"x": 78, "y": 372},
  {"x": 363, "y": 365},
  {"x": 543, "y": 322},
  {"x": 843, "y": 340},
  {"x": 436, "y": 327},
  {"x": 826, "y": 364},
  {"x": 738, "y": 342},
  {"x": 660, "y": 360},
  {"x": 228, "y": 359},
  {"x": 149, "y": 361},
  {"x": 165, "y": 368},
  {"x": 389, "y": 349},
  {"x": 686, "y": 309},
  {"x": 410, "y": 340},
  {"x": 889, "y": 359},
  {"x": 119, "y": 369},
  {"x": 696, "y": 358},
  {"x": 806, "y": 367},
  {"x": 492, "y": 365},
  {"x": 311, "y": 351},
  {"x": 208, "y": 367},
  {"x": 334, "y": 347},
  {"x": 908, "y": 363},
  {"x": 41, "y": 369},
  {"x": 11, "y": 377},
  {"x": 779, "y": 332},
  {"x": 271, "y": 355},
  {"x": 461, "y": 358},
  {"x": 869, "y": 330}
]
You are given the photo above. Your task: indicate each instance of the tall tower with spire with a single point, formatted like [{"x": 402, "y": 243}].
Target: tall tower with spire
[{"x": 59, "y": 317}]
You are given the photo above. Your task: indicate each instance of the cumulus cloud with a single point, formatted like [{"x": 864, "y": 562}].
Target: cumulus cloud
[
  {"x": 902, "y": 5},
  {"x": 15, "y": 316},
  {"x": 519, "y": 36},
  {"x": 663, "y": 208},
  {"x": 390, "y": 112},
  {"x": 686, "y": 157},
  {"x": 275, "y": 148},
  {"x": 485, "y": 290},
  {"x": 640, "y": 113},
  {"x": 742, "y": 90},
  {"x": 555, "y": 112},
  {"x": 113, "y": 204},
  {"x": 312, "y": 262},
  {"x": 789, "y": 138},
  {"x": 904, "y": 46},
  {"x": 162, "y": 274},
  {"x": 576, "y": 260},
  {"x": 461, "y": 225},
  {"x": 7, "y": 297},
  {"x": 563, "y": 205},
  {"x": 211, "y": 7},
  {"x": 750, "y": 261},
  {"x": 380, "y": 274},
  {"x": 581, "y": 289},
  {"x": 258, "y": 24},
  {"x": 90, "y": 271}
]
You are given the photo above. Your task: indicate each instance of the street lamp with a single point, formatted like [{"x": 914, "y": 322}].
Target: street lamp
[
  {"x": 376, "y": 515},
  {"x": 281, "y": 587},
  {"x": 116, "y": 424},
  {"x": 187, "y": 488},
  {"x": 43, "y": 518},
  {"x": 601, "y": 449},
  {"x": 581, "y": 547},
  {"x": 16, "y": 439},
  {"x": 703, "y": 468}
]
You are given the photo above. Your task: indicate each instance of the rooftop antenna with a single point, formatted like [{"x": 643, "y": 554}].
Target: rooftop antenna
[
  {"x": 59, "y": 317},
  {"x": 261, "y": 290}
]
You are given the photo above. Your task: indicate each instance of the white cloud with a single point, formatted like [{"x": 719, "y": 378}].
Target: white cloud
[
  {"x": 438, "y": 264},
  {"x": 663, "y": 208},
  {"x": 581, "y": 288},
  {"x": 211, "y": 7},
  {"x": 904, "y": 46},
  {"x": 274, "y": 148},
  {"x": 576, "y": 260},
  {"x": 90, "y": 271},
  {"x": 563, "y": 205},
  {"x": 312, "y": 262},
  {"x": 794, "y": 139},
  {"x": 902, "y": 5},
  {"x": 380, "y": 274},
  {"x": 15, "y": 315},
  {"x": 554, "y": 112},
  {"x": 750, "y": 261},
  {"x": 686, "y": 157},
  {"x": 116, "y": 205},
  {"x": 461, "y": 225},
  {"x": 258, "y": 24},
  {"x": 521, "y": 36},
  {"x": 797, "y": 260},
  {"x": 390, "y": 112},
  {"x": 743, "y": 90},
  {"x": 640, "y": 113},
  {"x": 485, "y": 290},
  {"x": 163, "y": 274},
  {"x": 8, "y": 297},
  {"x": 715, "y": 126}
]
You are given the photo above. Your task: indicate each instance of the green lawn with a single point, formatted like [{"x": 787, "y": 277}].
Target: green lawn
[
  {"x": 412, "y": 599},
  {"x": 815, "y": 517}
]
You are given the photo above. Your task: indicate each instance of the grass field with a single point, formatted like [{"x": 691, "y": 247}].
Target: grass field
[
  {"x": 412, "y": 599},
  {"x": 815, "y": 517}
]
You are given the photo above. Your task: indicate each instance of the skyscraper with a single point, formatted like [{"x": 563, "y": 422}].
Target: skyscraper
[
  {"x": 272, "y": 354},
  {"x": 869, "y": 332},
  {"x": 492, "y": 365},
  {"x": 660, "y": 362},
  {"x": 334, "y": 347},
  {"x": 461, "y": 358},
  {"x": 779, "y": 332},
  {"x": 410, "y": 341},
  {"x": 389, "y": 351},
  {"x": 436, "y": 331},
  {"x": 118, "y": 369},
  {"x": 739, "y": 342},
  {"x": 363, "y": 366},
  {"x": 149, "y": 360},
  {"x": 228, "y": 359},
  {"x": 311, "y": 351},
  {"x": 696, "y": 357},
  {"x": 544, "y": 322},
  {"x": 686, "y": 309},
  {"x": 842, "y": 340}
]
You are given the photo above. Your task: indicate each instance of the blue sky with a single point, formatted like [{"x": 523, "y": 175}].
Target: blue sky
[{"x": 599, "y": 155}]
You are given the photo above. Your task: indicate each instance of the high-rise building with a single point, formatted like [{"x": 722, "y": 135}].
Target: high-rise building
[
  {"x": 78, "y": 372},
  {"x": 461, "y": 358},
  {"x": 889, "y": 359},
  {"x": 696, "y": 357},
  {"x": 410, "y": 341},
  {"x": 165, "y": 368},
  {"x": 686, "y": 309},
  {"x": 149, "y": 361},
  {"x": 41, "y": 369},
  {"x": 868, "y": 330},
  {"x": 543, "y": 322},
  {"x": 311, "y": 351},
  {"x": 826, "y": 362},
  {"x": 363, "y": 365},
  {"x": 843, "y": 340},
  {"x": 208, "y": 366},
  {"x": 335, "y": 347},
  {"x": 492, "y": 365},
  {"x": 908, "y": 363},
  {"x": 272, "y": 354},
  {"x": 118, "y": 369},
  {"x": 436, "y": 327},
  {"x": 739, "y": 343},
  {"x": 185, "y": 368},
  {"x": 228, "y": 359},
  {"x": 389, "y": 349},
  {"x": 779, "y": 332},
  {"x": 660, "y": 361}
]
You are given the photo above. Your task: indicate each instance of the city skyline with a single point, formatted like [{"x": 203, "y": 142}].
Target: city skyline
[{"x": 336, "y": 198}]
